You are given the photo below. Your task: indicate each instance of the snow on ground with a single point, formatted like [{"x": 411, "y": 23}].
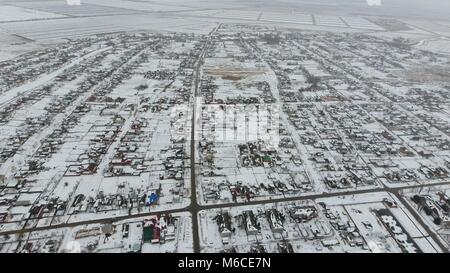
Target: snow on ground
[
  {"x": 343, "y": 224},
  {"x": 11, "y": 13},
  {"x": 171, "y": 233}
]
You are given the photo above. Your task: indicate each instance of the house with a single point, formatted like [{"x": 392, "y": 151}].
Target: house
[
  {"x": 301, "y": 214},
  {"x": 275, "y": 219},
  {"x": 250, "y": 223}
]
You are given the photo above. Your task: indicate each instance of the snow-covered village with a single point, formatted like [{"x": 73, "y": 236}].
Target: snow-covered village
[{"x": 221, "y": 130}]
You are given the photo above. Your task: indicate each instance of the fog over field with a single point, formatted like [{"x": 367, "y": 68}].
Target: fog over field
[
  {"x": 414, "y": 9},
  {"x": 42, "y": 21},
  {"x": 411, "y": 9}
]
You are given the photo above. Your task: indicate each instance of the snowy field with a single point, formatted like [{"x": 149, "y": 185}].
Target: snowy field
[{"x": 11, "y": 13}]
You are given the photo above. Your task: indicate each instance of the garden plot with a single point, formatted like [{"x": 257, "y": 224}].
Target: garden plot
[
  {"x": 230, "y": 89},
  {"x": 344, "y": 89},
  {"x": 298, "y": 80},
  {"x": 233, "y": 78},
  {"x": 335, "y": 175},
  {"x": 33, "y": 110},
  {"x": 314, "y": 68},
  {"x": 228, "y": 49},
  {"x": 411, "y": 171},
  {"x": 234, "y": 170},
  {"x": 369, "y": 71},
  {"x": 328, "y": 158},
  {"x": 180, "y": 47}
]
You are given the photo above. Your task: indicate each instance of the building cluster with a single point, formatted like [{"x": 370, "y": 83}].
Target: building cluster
[
  {"x": 436, "y": 206},
  {"x": 159, "y": 229},
  {"x": 93, "y": 137}
]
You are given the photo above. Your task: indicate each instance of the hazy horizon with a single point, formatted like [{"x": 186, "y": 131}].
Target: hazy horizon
[{"x": 411, "y": 9}]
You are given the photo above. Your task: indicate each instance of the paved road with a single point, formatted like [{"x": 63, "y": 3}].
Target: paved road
[{"x": 194, "y": 207}]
